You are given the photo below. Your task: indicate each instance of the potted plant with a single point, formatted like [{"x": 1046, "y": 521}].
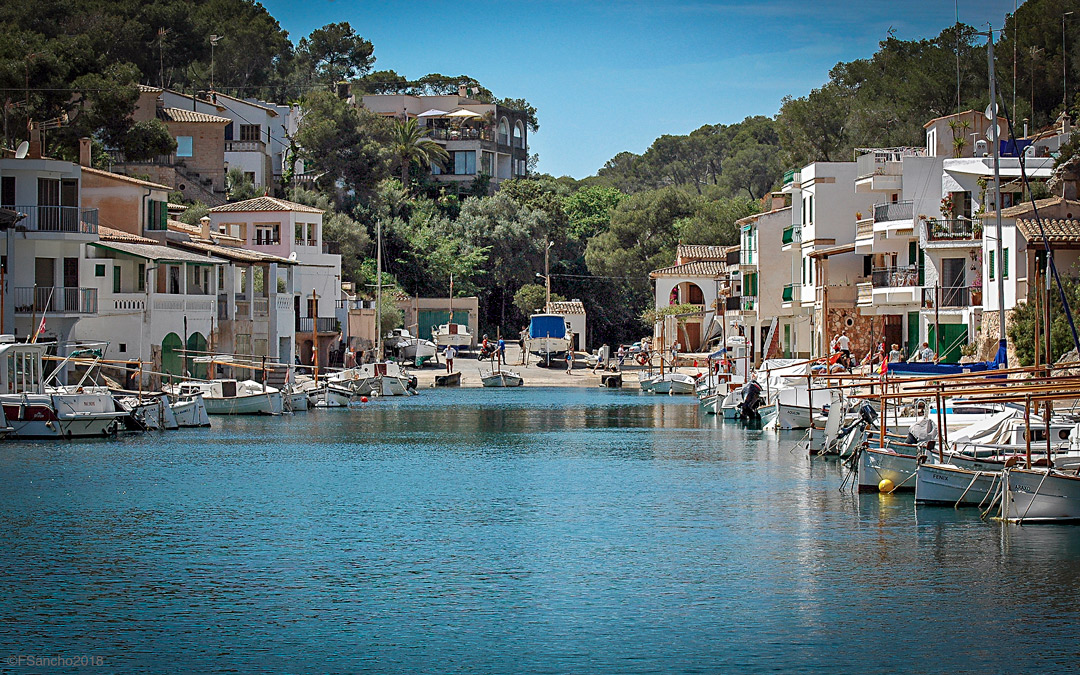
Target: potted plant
[
  {"x": 858, "y": 215},
  {"x": 947, "y": 206},
  {"x": 976, "y": 282}
]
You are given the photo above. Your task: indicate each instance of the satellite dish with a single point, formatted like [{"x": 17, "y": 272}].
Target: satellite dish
[
  {"x": 990, "y": 132},
  {"x": 24, "y": 148},
  {"x": 991, "y": 111},
  {"x": 292, "y": 256}
]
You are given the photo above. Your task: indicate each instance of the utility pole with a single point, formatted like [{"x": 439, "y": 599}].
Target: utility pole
[
  {"x": 992, "y": 110},
  {"x": 547, "y": 276}
]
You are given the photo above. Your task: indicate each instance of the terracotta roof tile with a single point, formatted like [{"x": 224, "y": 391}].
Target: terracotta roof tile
[
  {"x": 182, "y": 115},
  {"x": 264, "y": 204},
  {"x": 698, "y": 268},
  {"x": 1025, "y": 207},
  {"x": 110, "y": 234},
  {"x": 1065, "y": 231},
  {"x": 700, "y": 252},
  {"x": 126, "y": 179},
  {"x": 566, "y": 307},
  {"x": 233, "y": 253}
]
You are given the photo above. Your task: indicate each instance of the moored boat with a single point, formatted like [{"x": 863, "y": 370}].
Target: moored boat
[
  {"x": 502, "y": 378},
  {"x": 232, "y": 397}
]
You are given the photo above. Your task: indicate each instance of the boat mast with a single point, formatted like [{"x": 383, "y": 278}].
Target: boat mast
[
  {"x": 378, "y": 291},
  {"x": 992, "y": 113}
]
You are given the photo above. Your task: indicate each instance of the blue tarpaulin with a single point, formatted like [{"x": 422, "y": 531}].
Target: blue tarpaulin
[
  {"x": 547, "y": 325},
  {"x": 930, "y": 369}
]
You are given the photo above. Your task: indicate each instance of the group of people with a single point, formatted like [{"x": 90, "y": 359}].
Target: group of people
[{"x": 840, "y": 353}]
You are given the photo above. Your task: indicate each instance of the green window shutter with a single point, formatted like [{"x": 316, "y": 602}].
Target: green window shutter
[
  {"x": 142, "y": 276},
  {"x": 1005, "y": 263},
  {"x": 922, "y": 267},
  {"x": 116, "y": 279},
  {"x": 992, "y": 266},
  {"x": 163, "y": 216}
]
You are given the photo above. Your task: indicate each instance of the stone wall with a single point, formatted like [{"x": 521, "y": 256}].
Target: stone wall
[
  {"x": 860, "y": 330},
  {"x": 988, "y": 338}
]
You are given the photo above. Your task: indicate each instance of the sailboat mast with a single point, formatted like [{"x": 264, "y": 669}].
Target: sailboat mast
[
  {"x": 378, "y": 290},
  {"x": 999, "y": 263}
]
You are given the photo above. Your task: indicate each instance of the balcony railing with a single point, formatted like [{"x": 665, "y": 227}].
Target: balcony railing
[
  {"x": 952, "y": 229},
  {"x": 519, "y": 142},
  {"x": 38, "y": 299},
  {"x": 245, "y": 146},
  {"x": 267, "y": 240},
  {"x": 732, "y": 303},
  {"x": 864, "y": 228},
  {"x": 792, "y": 234},
  {"x": 893, "y": 211},
  {"x": 57, "y": 219},
  {"x": 951, "y": 297},
  {"x": 261, "y": 307},
  {"x": 323, "y": 324},
  {"x": 895, "y": 277},
  {"x": 749, "y": 302},
  {"x": 465, "y": 134}
]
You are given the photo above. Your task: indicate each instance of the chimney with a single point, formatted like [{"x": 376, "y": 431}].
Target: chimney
[
  {"x": 35, "y": 142},
  {"x": 84, "y": 152},
  {"x": 779, "y": 200},
  {"x": 463, "y": 91},
  {"x": 204, "y": 222}
]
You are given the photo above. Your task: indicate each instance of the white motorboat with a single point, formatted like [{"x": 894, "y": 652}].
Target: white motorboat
[
  {"x": 33, "y": 410},
  {"x": 679, "y": 383},
  {"x": 295, "y": 400},
  {"x": 406, "y": 347},
  {"x": 549, "y": 337},
  {"x": 190, "y": 411},
  {"x": 502, "y": 378},
  {"x": 232, "y": 397},
  {"x": 1039, "y": 495},
  {"x": 454, "y": 335}
]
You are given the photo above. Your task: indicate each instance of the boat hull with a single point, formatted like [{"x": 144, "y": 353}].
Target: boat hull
[
  {"x": 502, "y": 380},
  {"x": 1039, "y": 496},
  {"x": 191, "y": 412},
  {"x": 36, "y": 416},
  {"x": 877, "y": 464},
  {"x": 943, "y": 484},
  {"x": 269, "y": 403}
]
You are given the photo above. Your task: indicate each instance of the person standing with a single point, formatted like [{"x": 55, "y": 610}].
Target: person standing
[
  {"x": 502, "y": 352},
  {"x": 450, "y": 354},
  {"x": 621, "y": 355},
  {"x": 569, "y": 361},
  {"x": 895, "y": 355},
  {"x": 521, "y": 344}
]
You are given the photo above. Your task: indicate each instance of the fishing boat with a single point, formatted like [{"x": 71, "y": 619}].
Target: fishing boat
[
  {"x": 385, "y": 378},
  {"x": 406, "y": 347},
  {"x": 1039, "y": 495},
  {"x": 946, "y": 484},
  {"x": 549, "y": 337},
  {"x": 677, "y": 383},
  {"x": 189, "y": 410},
  {"x": 647, "y": 381},
  {"x": 877, "y": 465},
  {"x": 152, "y": 410},
  {"x": 454, "y": 335},
  {"x": 234, "y": 397},
  {"x": 502, "y": 378}
]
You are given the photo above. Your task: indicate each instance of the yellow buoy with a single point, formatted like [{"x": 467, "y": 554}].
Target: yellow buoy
[{"x": 885, "y": 485}]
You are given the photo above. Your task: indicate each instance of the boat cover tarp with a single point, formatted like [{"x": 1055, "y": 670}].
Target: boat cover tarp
[
  {"x": 547, "y": 325},
  {"x": 921, "y": 369}
]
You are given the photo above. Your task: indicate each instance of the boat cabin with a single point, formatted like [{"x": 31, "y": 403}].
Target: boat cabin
[{"x": 22, "y": 372}]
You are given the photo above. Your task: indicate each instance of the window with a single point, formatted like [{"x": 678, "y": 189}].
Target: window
[
  {"x": 184, "y": 146},
  {"x": 267, "y": 233},
  {"x": 116, "y": 279},
  {"x": 99, "y": 270},
  {"x": 992, "y": 266},
  {"x": 142, "y": 277},
  {"x": 487, "y": 163},
  {"x": 301, "y": 234},
  {"x": 249, "y": 176},
  {"x": 1005, "y": 262},
  {"x": 7, "y": 191},
  {"x": 436, "y": 170},
  {"x": 123, "y": 347},
  {"x": 157, "y": 215},
  {"x": 504, "y": 132},
  {"x": 174, "y": 279},
  {"x": 465, "y": 163},
  {"x": 249, "y": 132}
]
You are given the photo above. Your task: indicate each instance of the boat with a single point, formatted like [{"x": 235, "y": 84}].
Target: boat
[
  {"x": 1039, "y": 495},
  {"x": 190, "y": 410},
  {"x": 502, "y": 378},
  {"x": 679, "y": 383},
  {"x": 647, "y": 381},
  {"x": 549, "y": 337},
  {"x": 33, "y": 410},
  {"x": 233, "y": 397},
  {"x": 295, "y": 400},
  {"x": 448, "y": 380},
  {"x": 454, "y": 335},
  {"x": 945, "y": 484},
  {"x": 876, "y": 465},
  {"x": 406, "y": 347},
  {"x": 385, "y": 378},
  {"x": 152, "y": 410}
]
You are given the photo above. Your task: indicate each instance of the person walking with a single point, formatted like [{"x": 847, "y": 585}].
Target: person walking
[
  {"x": 621, "y": 355},
  {"x": 569, "y": 361},
  {"x": 450, "y": 354}
]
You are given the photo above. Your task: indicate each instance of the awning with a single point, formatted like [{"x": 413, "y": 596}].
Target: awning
[
  {"x": 155, "y": 253},
  {"x": 434, "y": 112},
  {"x": 463, "y": 114}
]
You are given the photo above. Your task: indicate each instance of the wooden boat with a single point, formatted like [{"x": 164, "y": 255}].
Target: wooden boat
[
  {"x": 454, "y": 335},
  {"x": 502, "y": 378},
  {"x": 647, "y": 381},
  {"x": 190, "y": 411},
  {"x": 448, "y": 380},
  {"x": 1039, "y": 496},
  {"x": 945, "y": 484},
  {"x": 232, "y": 397},
  {"x": 879, "y": 464},
  {"x": 406, "y": 347},
  {"x": 679, "y": 383}
]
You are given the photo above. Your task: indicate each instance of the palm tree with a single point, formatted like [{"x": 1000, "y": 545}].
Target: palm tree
[{"x": 411, "y": 145}]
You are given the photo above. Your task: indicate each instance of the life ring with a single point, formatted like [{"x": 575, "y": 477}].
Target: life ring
[{"x": 641, "y": 359}]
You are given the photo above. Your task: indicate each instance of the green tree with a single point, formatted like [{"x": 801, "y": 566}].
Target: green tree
[
  {"x": 532, "y": 298},
  {"x": 588, "y": 210},
  {"x": 336, "y": 53},
  {"x": 642, "y": 235},
  {"x": 1023, "y": 320},
  {"x": 344, "y": 143},
  {"x": 147, "y": 140},
  {"x": 239, "y": 186},
  {"x": 409, "y": 143},
  {"x": 713, "y": 221},
  {"x": 352, "y": 239}
]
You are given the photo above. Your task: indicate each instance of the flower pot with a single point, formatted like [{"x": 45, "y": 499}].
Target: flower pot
[{"x": 976, "y": 296}]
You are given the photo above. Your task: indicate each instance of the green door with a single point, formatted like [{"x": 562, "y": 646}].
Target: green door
[
  {"x": 171, "y": 354},
  {"x": 427, "y": 319},
  {"x": 953, "y": 337},
  {"x": 912, "y": 332},
  {"x": 196, "y": 343}
]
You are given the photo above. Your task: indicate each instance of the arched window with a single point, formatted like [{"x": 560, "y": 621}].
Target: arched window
[
  {"x": 504, "y": 132},
  {"x": 519, "y": 135}
]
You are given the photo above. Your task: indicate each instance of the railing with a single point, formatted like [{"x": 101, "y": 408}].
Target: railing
[
  {"x": 262, "y": 306},
  {"x": 893, "y": 211},
  {"x": 323, "y": 324},
  {"x": 895, "y": 277},
  {"x": 864, "y": 228},
  {"x": 464, "y": 134},
  {"x": 864, "y": 294},
  {"x": 790, "y": 176},
  {"x": 168, "y": 304},
  {"x": 245, "y": 146},
  {"x": 331, "y": 247},
  {"x": 748, "y": 303},
  {"x": 57, "y": 219},
  {"x": 284, "y": 302},
  {"x": 519, "y": 142},
  {"x": 789, "y": 292},
  {"x": 354, "y": 304},
  {"x": 307, "y": 242},
  {"x": 243, "y": 309},
  {"x": 951, "y": 297},
  {"x": 792, "y": 234},
  {"x": 267, "y": 241},
  {"x": 732, "y": 303},
  {"x": 876, "y": 161},
  {"x": 37, "y": 299},
  {"x": 952, "y": 229}
]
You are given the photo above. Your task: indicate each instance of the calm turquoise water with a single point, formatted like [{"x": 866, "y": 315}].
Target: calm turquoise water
[{"x": 530, "y": 530}]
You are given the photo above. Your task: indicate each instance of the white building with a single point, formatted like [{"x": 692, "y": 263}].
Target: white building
[{"x": 699, "y": 277}]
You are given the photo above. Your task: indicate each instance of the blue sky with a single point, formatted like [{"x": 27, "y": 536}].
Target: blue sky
[{"x": 612, "y": 76}]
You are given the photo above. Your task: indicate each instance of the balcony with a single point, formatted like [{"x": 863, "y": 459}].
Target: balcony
[
  {"x": 792, "y": 235},
  {"x": 39, "y": 300},
  {"x": 749, "y": 302},
  {"x": 245, "y": 146},
  {"x": 464, "y": 134},
  {"x": 895, "y": 277},
  {"x": 791, "y": 292},
  {"x": 791, "y": 176},
  {"x": 323, "y": 324},
  {"x": 953, "y": 297},
  {"x": 893, "y": 211},
  {"x": 864, "y": 228},
  {"x": 261, "y": 307},
  {"x": 952, "y": 229},
  {"x": 267, "y": 240},
  {"x": 732, "y": 303},
  {"x": 57, "y": 219},
  {"x": 519, "y": 142}
]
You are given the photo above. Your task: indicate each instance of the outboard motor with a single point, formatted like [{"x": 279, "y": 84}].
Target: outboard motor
[
  {"x": 867, "y": 414},
  {"x": 751, "y": 400},
  {"x": 923, "y": 432}
]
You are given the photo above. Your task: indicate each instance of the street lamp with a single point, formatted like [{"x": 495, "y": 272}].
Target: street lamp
[
  {"x": 547, "y": 276},
  {"x": 214, "y": 39}
]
